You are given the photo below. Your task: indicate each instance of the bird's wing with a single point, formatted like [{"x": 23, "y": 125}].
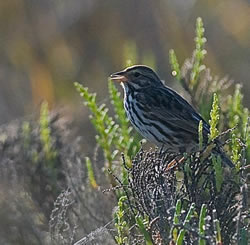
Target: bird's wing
[{"x": 171, "y": 109}]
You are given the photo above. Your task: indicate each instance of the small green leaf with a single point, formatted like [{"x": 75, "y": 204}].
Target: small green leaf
[
  {"x": 215, "y": 116},
  {"x": 91, "y": 175},
  {"x": 200, "y": 135},
  {"x": 176, "y": 72}
]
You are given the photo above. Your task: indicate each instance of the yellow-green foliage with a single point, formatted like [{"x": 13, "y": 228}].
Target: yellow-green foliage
[
  {"x": 236, "y": 149},
  {"x": 112, "y": 136},
  {"x": 104, "y": 124},
  {"x": 197, "y": 59},
  {"x": 91, "y": 175},
  {"x": 45, "y": 134},
  {"x": 215, "y": 116},
  {"x": 200, "y": 131},
  {"x": 120, "y": 223},
  {"x": 199, "y": 53},
  {"x": 238, "y": 117},
  {"x": 176, "y": 72}
]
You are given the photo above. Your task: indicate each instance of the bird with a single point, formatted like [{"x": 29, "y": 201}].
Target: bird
[{"x": 160, "y": 114}]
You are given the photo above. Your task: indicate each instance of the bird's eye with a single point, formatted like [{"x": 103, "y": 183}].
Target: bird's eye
[{"x": 137, "y": 74}]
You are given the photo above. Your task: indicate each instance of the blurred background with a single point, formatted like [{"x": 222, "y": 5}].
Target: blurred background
[{"x": 46, "y": 45}]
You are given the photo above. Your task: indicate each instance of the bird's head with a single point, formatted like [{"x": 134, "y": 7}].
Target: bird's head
[{"x": 137, "y": 77}]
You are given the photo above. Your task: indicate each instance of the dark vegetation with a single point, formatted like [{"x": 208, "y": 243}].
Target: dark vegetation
[{"x": 57, "y": 195}]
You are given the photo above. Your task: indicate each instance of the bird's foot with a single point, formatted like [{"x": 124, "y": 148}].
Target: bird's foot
[{"x": 174, "y": 163}]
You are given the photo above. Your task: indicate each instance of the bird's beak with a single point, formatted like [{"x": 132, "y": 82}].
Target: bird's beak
[{"x": 119, "y": 77}]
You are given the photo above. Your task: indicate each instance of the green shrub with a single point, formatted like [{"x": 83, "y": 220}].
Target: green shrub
[{"x": 198, "y": 201}]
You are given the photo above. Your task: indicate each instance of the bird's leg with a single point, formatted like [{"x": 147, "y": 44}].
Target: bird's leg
[{"x": 174, "y": 163}]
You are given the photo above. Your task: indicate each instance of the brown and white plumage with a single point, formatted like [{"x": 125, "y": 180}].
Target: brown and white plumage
[{"x": 159, "y": 113}]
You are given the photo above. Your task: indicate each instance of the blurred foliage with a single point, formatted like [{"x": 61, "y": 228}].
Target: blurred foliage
[
  {"x": 199, "y": 54},
  {"x": 45, "y": 45},
  {"x": 91, "y": 175},
  {"x": 39, "y": 159},
  {"x": 45, "y": 135}
]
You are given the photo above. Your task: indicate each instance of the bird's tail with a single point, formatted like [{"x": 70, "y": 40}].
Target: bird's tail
[{"x": 224, "y": 158}]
